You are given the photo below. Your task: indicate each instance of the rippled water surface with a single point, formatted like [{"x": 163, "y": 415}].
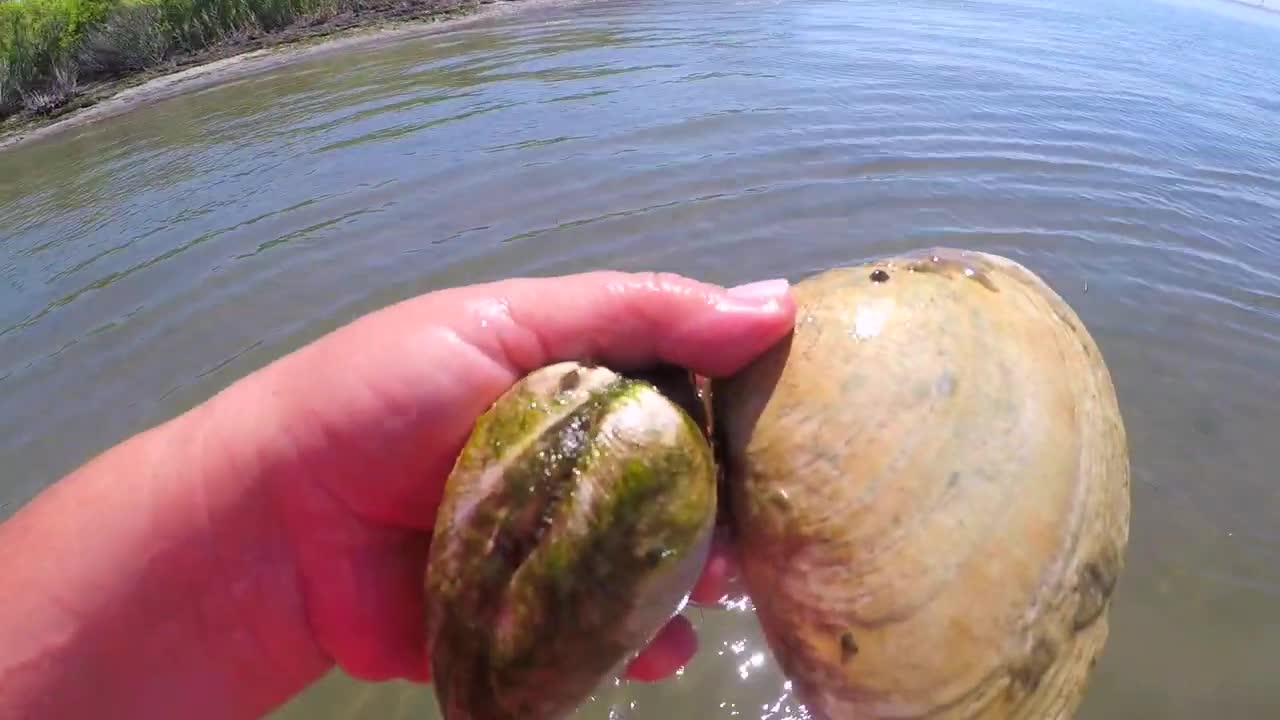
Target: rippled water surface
[{"x": 1129, "y": 151}]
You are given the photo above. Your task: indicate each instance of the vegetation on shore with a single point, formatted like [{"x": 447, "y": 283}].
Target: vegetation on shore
[{"x": 51, "y": 51}]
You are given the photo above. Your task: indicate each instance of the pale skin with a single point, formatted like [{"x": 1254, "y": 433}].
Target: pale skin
[{"x": 216, "y": 565}]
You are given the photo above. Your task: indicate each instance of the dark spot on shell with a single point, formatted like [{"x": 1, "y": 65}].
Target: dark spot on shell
[
  {"x": 654, "y": 556},
  {"x": 953, "y": 479},
  {"x": 569, "y": 381},
  {"x": 1030, "y": 672},
  {"x": 879, "y": 276},
  {"x": 1094, "y": 587},
  {"x": 848, "y": 648}
]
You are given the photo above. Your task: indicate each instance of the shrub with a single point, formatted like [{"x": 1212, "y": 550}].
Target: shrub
[
  {"x": 58, "y": 88},
  {"x": 34, "y": 35},
  {"x": 132, "y": 37},
  {"x": 47, "y": 46}
]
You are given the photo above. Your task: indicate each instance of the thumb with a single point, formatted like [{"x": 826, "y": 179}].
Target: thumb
[{"x": 625, "y": 320}]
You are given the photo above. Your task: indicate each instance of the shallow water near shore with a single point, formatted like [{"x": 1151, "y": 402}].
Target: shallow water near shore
[{"x": 1129, "y": 152}]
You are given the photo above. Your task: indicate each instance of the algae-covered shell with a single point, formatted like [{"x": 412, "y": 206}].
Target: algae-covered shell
[
  {"x": 930, "y": 487},
  {"x": 574, "y": 524}
]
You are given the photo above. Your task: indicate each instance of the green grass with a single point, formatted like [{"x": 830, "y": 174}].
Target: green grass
[{"x": 49, "y": 47}]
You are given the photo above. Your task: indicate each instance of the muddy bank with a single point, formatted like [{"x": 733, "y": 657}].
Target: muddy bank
[{"x": 378, "y": 21}]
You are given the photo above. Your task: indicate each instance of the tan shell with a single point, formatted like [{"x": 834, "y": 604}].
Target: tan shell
[{"x": 930, "y": 485}]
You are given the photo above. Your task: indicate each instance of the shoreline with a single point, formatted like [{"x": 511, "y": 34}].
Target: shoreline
[{"x": 242, "y": 57}]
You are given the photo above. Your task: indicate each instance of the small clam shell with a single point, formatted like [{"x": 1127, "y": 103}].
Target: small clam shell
[
  {"x": 574, "y": 525},
  {"x": 930, "y": 488}
]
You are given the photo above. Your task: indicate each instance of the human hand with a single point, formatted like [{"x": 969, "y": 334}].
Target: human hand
[
  {"x": 366, "y": 423},
  {"x": 215, "y": 565}
]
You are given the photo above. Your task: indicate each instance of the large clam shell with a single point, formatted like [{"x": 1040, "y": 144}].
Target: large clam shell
[{"x": 930, "y": 489}]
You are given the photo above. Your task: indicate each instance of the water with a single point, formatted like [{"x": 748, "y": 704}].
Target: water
[{"x": 1126, "y": 150}]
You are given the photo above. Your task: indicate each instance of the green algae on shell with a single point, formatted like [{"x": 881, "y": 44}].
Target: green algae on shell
[
  {"x": 929, "y": 484},
  {"x": 574, "y": 524}
]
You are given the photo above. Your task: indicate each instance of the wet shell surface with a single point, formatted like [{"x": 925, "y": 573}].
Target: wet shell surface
[
  {"x": 929, "y": 485},
  {"x": 574, "y": 524}
]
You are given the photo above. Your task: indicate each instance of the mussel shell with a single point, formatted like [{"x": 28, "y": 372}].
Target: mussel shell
[
  {"x": 930, "y": 491},
  {"x": 574, "y": 524}
]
